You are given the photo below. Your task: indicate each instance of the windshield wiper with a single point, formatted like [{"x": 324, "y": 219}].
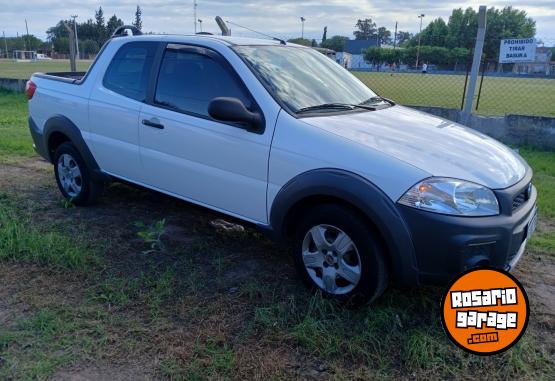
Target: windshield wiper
[{"x": 332, "y": 106}]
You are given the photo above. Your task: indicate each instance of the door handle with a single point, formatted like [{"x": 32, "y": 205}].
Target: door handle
[{"x": 150, "y": 123}]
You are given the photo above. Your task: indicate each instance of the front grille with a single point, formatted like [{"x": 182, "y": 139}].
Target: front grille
[{"x": 521, "y": 198}]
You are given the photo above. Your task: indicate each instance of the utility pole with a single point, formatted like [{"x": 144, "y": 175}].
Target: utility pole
[
  {"x": 395, "y": 36},
  {"x": 72, "y": 53},
  {"x": 195, "y": 14},
  {"x": 5, "y": 43},
  {"x": 76, "y": 39},
  {"x": 478, "y": 49},
  {"x": 302, "y": 27},
  {"x": 200, "y": 24},
  {"x": 27, "y": 36},
  {"x": 421, "y": 16}
]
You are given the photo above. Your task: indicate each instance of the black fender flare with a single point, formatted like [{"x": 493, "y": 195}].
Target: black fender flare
[
  {"x": 62, "y": 124},
  {"x": 367, "y": 198}
]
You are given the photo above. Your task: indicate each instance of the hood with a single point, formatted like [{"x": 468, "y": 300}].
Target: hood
[{"x": 432, "y": 144}]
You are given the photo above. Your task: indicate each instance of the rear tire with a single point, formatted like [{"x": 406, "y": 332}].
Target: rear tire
[
  {"x": 337, "y": 252},
  {"x": 74, "y": 177}
]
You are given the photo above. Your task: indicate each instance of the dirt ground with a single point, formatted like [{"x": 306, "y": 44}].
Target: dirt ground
[{"x": 212, "y": 290}]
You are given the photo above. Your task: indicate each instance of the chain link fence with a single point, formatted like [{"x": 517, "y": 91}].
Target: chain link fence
[{"x": 523, "y": 88}]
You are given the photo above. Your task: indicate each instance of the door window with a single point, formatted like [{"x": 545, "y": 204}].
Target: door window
[
  {"x": 129, "y": 71},
  {"x": 189, "y": 80}
]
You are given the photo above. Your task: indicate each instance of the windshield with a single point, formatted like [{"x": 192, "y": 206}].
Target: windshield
[{"x": 303, "y": 78}]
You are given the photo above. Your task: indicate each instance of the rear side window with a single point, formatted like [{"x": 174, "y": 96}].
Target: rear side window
[
  {"x": 188, "y": 81},
  {"x": 129, "y": 71}
]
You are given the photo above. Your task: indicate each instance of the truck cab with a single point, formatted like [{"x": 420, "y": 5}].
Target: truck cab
[{"x": 363, "y": 190}]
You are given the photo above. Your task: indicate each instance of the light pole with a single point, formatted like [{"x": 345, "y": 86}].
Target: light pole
[
  {"x": 5, "y": 43},
  {"x": 421, "y": 16},
  {"x": 195, "y": 14},
  {"x": 200, "y": 23},
  {"x": 302, "y": 27},
  {"x": 76, "y": 40}
]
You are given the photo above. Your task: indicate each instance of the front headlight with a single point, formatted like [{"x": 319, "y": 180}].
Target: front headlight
[{"x": 451, "y": 196}]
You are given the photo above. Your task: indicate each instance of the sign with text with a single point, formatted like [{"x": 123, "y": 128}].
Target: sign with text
[{"x": 517, "y": 50}]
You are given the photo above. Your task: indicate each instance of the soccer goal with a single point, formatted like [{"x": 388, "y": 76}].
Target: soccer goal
[{"x": 24, "y": 55}]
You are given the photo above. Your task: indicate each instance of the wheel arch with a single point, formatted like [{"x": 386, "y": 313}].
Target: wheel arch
[
  {"x": 339, "y": 186},
  {"x": 59, "y": 129}
]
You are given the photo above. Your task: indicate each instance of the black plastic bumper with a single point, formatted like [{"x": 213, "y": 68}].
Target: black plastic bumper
[
  {"x": 38, "y": 140},
  {"x": 447, "y": 245}
]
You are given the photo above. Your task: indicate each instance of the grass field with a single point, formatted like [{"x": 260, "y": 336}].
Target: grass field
[
  {"x": 500, "y": 96},
  {"x": 24, "y": 70},
  {"x": 83, "y": 296}
]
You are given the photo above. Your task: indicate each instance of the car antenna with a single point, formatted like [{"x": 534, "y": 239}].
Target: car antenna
[{"x": 255, "y": 31}]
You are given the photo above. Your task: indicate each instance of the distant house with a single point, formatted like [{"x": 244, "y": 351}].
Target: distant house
[
  {"x": 543, "y": 63},
  {"x": 353, "y": 56}
]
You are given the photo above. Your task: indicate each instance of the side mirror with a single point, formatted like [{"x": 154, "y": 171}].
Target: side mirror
[{"x": 229, "y": 109}]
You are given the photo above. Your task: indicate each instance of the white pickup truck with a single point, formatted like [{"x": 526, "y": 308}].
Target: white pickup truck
[{"x": 278, "y": 135}]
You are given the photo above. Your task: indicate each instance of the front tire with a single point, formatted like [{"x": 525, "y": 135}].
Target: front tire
[
  {"x": 74, "y": 177},
  {"x": 337, "y": 252}
]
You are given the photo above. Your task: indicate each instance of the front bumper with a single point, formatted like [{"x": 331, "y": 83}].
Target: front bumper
[{"x": 447, "y": 245}]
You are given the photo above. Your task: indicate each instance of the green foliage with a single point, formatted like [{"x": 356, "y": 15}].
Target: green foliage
[
  {"x": 95, "y": 32},
  {"x": 47, "y": 340},
  {"x": 336, "y": 43},
  {"x": 210, "y": 361},
  {"x": 366, "y": 29},
  {"x": 300, "y": 41},
  {"x": 67, "y": 203},
  {"x": 536, "y": 96},
  {"x": 460, "y": 31},
  {"x": 152, "y": 234},
  {"x": 113, "y": 23},
  {"x": 61, "y": 45},
  {"x": 138, "y": 22},
  {"x": 437, "y": 55},
  {"x": 384, "y": 35},
  {"x": 88, "y": 47},
  {"x": 15, "y": 139},
  {"x": 435, "y": 34},
  {"x": 22, "y": 241},
  {"x": 403, "y": 38},
  {"x": 24, "y": 70},
  {"x": 25, "y": 42}
]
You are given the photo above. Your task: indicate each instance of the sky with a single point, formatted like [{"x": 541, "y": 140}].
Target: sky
[{"x": 275, "y": 17}]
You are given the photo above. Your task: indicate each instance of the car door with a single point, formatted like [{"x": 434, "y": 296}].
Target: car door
[
  {"x": 114, "y": 107},
  {"x": 187, "y": 153}
]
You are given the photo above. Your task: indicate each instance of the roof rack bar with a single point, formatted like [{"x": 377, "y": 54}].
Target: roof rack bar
[{"x": 126, "y": 30}]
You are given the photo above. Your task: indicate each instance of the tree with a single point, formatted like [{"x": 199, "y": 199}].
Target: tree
[
  {"x": 373, "y": 55},
  {"x": 366, "y": 30},
  {"x": 138, "y": 23},
  {"x": 113, "y": 23},
  {"x": 435, "y": 34},
  {"x": 89, "y": 47},
  {"x": 100, "y": 26},
  {"x": 506, "y": 23},
  {"x": 336, "y": 43},
  {"x": 61, "y": 45},
  {"x": 458, "y": 57},
  {"x": 461, "y": 29},
  {"x": 325, "y": 35},
  {"x": 313, "y": 43},
  {"x": 403, "y": 37},
  {"x": 300, "y": 41},
  {"x": 384, "y": 36}
]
